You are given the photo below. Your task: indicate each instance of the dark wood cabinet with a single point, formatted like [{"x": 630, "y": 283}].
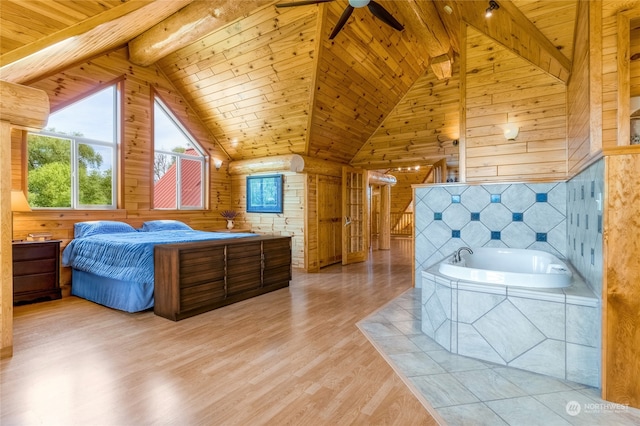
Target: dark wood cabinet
[
  {"x": 191, "y": 278},
  {"x": 36, "y": 270}
]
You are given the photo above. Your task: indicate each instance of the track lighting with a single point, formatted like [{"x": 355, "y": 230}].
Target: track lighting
[{"x": 492, "y": 6}]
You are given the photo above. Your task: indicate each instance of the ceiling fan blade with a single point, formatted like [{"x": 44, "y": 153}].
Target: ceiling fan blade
[
  {"x": 381, "y": 13},
  {"x": 343, "y": 20},
  {"x": 302, "y": 3}
]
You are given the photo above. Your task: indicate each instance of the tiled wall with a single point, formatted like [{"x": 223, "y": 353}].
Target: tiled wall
[
  {"x": 584, "y": 224},
  {"x": 548, "y": 331},
  {"x": 516, "y": 215}
]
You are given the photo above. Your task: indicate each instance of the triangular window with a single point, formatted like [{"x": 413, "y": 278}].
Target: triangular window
[{"x": 178, "y": 164}]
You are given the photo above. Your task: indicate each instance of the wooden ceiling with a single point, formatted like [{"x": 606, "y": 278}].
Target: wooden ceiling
[{"x": 268, "y": 80}]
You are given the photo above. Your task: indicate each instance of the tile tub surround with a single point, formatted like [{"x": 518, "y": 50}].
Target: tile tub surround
[
  {"x": 515, "y": 215},
  {"x": 547, "y": 331},
  {"x": 465, "y": 391},
  {"x": 584, "y": 224}
]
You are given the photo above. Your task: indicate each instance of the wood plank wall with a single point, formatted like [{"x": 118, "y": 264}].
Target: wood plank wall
[
  {"x": 578, "y": 90},
  {"x": 610, "y": 11},
  {"x": 504, "y": 88},
  {"x": 635, "y": 63},
  {"x": 289, "y": 223},
  {"x": 137, "y": 182}
]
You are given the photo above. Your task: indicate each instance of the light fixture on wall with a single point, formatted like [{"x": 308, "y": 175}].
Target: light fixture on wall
[
  {"x": 493, "y": 5},
  {"x": 217, "y": 163},
  {"x": 511, "y": 131}
]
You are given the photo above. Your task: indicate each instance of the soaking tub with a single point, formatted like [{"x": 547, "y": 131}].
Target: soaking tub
[{"x": 511, "y": 267}]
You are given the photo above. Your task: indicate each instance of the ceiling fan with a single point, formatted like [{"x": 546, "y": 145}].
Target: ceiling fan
[{"x": 376, "y": 9}]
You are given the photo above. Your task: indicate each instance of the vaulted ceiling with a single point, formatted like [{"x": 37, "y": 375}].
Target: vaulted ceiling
[{"x": 268, "y": 81}]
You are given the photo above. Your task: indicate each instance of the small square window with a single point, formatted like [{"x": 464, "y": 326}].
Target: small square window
[
  {"x": 495, "y": 235},
  {"x": 541, "y": 197},
  {"x": 455, "y": 234},
  {"x": 475, "y": 216}
]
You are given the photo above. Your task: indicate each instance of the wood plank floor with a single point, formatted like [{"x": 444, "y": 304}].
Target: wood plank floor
[{"x": 294, "y": 356}]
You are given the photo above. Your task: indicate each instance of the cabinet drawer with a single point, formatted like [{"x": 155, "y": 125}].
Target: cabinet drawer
[
  {"x": 34, "y": 251},
  {"x": 34, "y": 267},
  {"x": 34, "y": 283}
]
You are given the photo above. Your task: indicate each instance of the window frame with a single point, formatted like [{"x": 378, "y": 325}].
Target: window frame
[
  {"x": 76, "y": 141},
  {"x": 202, "y": 157}
]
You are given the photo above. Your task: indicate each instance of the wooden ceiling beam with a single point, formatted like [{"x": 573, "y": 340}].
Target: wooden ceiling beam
[
  {"x": 188, "y": 25},
  {"x": 511, "y": 28},
  {"x": 425, "y": 22},
  {"x": 72, "y": 31}
]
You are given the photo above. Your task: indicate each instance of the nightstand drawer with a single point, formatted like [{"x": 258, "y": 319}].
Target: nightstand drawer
[
  {"x": 37, "y": 282},
  {"x": 32, "y": 267},
  {"x": 34, "y": 251},
  {"x": 36, "y": 270}
]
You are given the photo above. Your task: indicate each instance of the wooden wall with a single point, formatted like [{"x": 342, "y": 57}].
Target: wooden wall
[
  {"x": 137, "y": 181},
  {"x": 289, "y": 223},
  {"x": 579, "y": 90},
  {"x": 635, "y": 58},
  {"x": 500, "y": 88},
  {"x": 621, "y": 288}
]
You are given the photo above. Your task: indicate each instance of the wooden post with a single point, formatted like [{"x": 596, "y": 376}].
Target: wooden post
[
  {"x": 6, "y": 272},
  {"x": 384, "y": 240},
  {"x": 20, "y": 107}
]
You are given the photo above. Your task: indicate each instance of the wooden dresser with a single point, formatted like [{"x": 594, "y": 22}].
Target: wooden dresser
[
  {"x": 36, "y": 270},
  {"x": 192, "y": 278}
]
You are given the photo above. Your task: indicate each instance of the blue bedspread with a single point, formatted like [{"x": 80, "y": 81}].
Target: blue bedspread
[{"x": 129, "y": 256}]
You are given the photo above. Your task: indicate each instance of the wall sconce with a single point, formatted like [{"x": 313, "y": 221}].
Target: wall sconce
[
  {"x": 492, "y": 6},
  {"x": 511, "y": 131},
  {"x": 217, "y": 163}
]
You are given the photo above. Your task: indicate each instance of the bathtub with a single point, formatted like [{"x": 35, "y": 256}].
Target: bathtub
[{"x": 511, "y": 267}]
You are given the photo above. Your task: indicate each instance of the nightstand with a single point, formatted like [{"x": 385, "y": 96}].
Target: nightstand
[{"x": 36, "y": 270}]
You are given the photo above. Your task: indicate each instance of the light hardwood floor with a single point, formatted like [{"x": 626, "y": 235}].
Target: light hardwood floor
[{"x": 294, "y": 356}]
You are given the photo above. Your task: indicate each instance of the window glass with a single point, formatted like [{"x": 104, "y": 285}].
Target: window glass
[
  {"x": 179, "y": 164},
  {"x": 71, "y": 164}
]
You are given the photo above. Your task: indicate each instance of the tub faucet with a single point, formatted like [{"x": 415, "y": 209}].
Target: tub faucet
[{"x": 456, "y": 256}]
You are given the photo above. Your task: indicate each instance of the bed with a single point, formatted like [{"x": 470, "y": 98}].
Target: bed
[{"x": 113, "y": 263}]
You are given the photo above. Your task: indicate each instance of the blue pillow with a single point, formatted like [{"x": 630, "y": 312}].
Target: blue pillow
[
  {"x": 95, "y": 227},
  {"x": 165, "y": 225}
]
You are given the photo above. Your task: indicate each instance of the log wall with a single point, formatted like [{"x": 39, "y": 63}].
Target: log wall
[{"x": 500, "y": 87}]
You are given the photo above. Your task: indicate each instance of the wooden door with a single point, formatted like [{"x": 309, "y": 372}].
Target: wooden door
[
  {"x": 329, "y": 210},
  {"x": 355, "y": 244}
]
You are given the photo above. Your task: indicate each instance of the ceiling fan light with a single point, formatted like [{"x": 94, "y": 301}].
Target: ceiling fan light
[{"x": 358, "y": 3}]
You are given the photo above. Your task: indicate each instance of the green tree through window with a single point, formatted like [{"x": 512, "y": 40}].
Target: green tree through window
[{"x": 67, "y": 169}]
